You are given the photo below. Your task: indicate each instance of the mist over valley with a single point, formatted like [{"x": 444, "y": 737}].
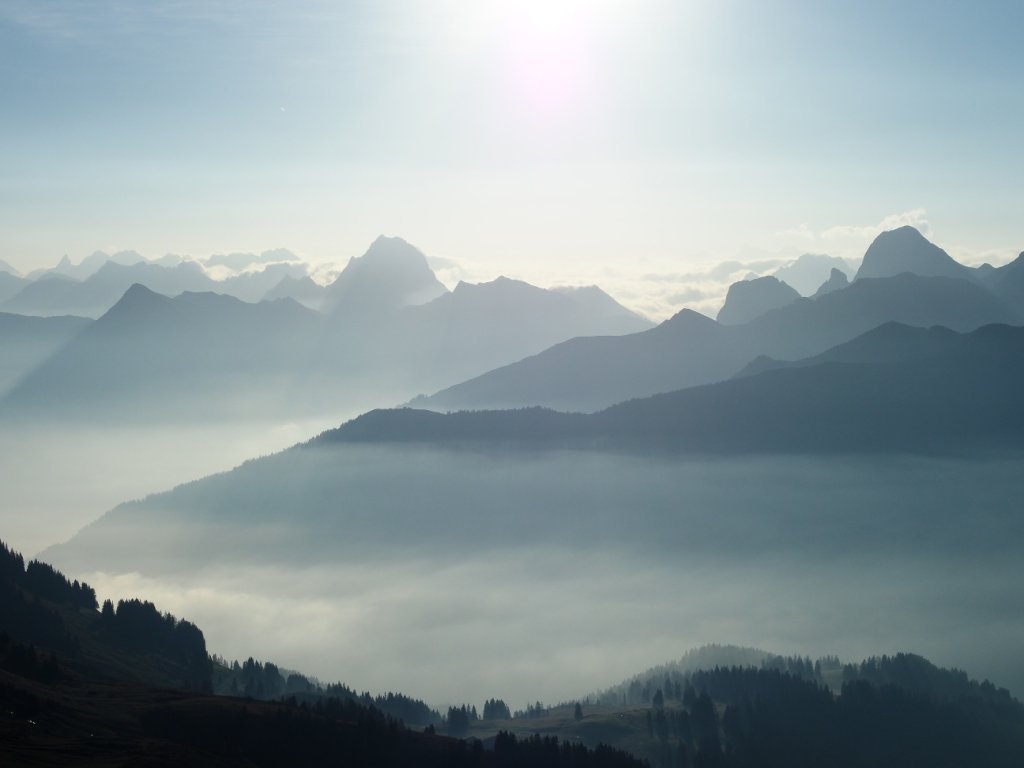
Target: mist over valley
[{"x": 488, "y": 385}]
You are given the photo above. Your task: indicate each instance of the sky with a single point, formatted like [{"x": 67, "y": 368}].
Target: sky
[{"x": 557, "y": 141}]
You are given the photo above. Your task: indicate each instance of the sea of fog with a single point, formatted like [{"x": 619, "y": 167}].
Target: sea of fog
[
  {"x": 57, "y": 477},
  {"x": 459, "y": 575}
]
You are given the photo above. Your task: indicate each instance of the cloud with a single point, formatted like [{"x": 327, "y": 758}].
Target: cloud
[
  {"x": 917, "y": 217},
  {"x": 847, "y": 241},
  {"x": 687, "y": 295}
]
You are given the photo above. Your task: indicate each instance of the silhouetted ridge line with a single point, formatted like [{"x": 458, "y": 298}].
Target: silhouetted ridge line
[
  {"x": 893, "y": 389},
  {"x": 409, "y": 424},
  {"x": 905, "y": 249}
]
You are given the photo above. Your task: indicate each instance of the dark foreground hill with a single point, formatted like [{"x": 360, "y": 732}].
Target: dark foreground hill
[
  {"x": 80, "y": 686},
  {"x": 62, "y": 703},
  {"x": 783, "y": 711}
]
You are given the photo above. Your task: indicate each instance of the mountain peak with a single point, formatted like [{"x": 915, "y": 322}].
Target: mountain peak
[
  {"x": 836, "y": 282},
  {"x": 809, "y": 271},
  {"x": 137, "y": 302},
  {"x": 391, "y": 274},
  {"x": 499, "y": 284},
  {"x": 906, "y": 250},
  {"x": 749, "y": 299},
  {"x": 392, "y": 248},
  {"x": 138, "y": 293}
]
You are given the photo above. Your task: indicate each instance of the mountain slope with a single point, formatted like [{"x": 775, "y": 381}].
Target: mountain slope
[
  {"x": 930, "y": 391},
  {"x": 749, "y": 299},
  {"x": 391, "y": 274},
  {"x": 101, "y": 290},
  {"x": 955, "y": 395},
  {"x": 1007, "y": 282},
  {"x": 593, "y": 372},
  {"x": 836, "y": 282},
  {"x": 124, "y": 687},
  {"x": 907, "y": 250},
  {"x": 151, "y": 357},
  {"x": 25, "y": 342},
  {"x": 302, "y": 289},
  {"x": 589, "y": 374},
  {"x": 888, "y": 343},
  {"x": 479, "y": 326},
  {"x": 808, "y": 326},
  {"x": 150, "y": 354},
  {"x": 809, "y": 270},
  {"x": 10, "y": 285}
]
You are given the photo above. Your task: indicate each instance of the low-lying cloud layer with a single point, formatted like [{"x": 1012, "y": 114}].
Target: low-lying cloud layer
[{"x": 457, "y": 577}]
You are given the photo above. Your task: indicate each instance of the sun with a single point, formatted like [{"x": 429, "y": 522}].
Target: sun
[{"x": 550, "y": 54}]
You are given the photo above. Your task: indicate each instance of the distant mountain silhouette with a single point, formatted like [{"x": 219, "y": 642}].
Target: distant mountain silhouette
[
  {"x": 888, "y": 343},
  {"x": 906, "y": 250},
  {"x": 88, "y": 266},
  {"x": 59, "y": 292},
  {"x": 689, "y": 349},
  {"x": 589, "y": 373},
  {"x": 952, "y": 396},
  {"x": 810, "y": 326},
  {"x": 837, "y": 280},
  {"x": 148, "y": 346},
  {"x": 8, "y": 269},
  {"x": 809, "y": 270},
  {"x": 101, "y": 290},
  {"x": 483, "y": 325},
  {"x": 391, "y": 274},
  {"x": 1007, "y": 281},
  {"x": 254, "y": 286},
  {"x": 749, "y": 299},
  {"x": 931, "y": 391},
  {"x": 601, "y": 304},
  {"x": 302, "y": 289},
  {"x": 25, "y": 342},
  {"x": 10, "y": 285},
  {"x": 151, "y": 356}
]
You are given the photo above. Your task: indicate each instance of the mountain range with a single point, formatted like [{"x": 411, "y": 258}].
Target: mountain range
[
  {"x": 388, "y": 330},
  {"x": 896, "y": 390},
  {"x": 588, "y": 374},
  {"x": 761, "y": 465}
]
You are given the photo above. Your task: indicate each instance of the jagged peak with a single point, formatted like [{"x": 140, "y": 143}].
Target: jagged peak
[{"x": 749, "y": 299}]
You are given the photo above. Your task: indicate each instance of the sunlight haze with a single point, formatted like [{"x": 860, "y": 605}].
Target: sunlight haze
[{"x": 554, "y": 142}]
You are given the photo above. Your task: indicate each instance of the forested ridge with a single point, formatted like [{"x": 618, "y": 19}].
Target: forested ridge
[{"x": 127, "y": 684}]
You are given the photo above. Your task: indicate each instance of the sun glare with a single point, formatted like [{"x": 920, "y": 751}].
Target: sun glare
[{"x": 551, "y": 54}]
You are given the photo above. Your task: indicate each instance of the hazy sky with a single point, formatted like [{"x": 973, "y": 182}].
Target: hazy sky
[{"x": 552, "y": 140}]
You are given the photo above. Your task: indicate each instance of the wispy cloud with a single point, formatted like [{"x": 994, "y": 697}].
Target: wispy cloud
[
  {"x": 848, "y": 241},
  {"x": 917, "y": 217}
]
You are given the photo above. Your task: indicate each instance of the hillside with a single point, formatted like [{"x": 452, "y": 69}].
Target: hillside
[
  {"x": 894, "y": 389},
  {"x": 688, "y": 349},
  {"x": 125, "y": 686},
  {"x": 152, "y": 357},
  {"x": 25, "y": 342},
  {"x": 77, "y": 684}
]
